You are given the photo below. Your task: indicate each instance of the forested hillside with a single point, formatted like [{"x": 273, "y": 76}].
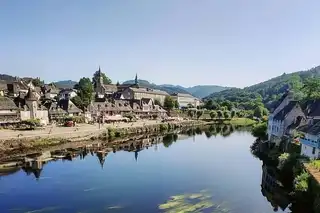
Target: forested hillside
[{"x": 269, "y": 91}]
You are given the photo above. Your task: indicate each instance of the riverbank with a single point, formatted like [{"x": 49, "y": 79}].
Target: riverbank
[{"x": 39, "y": 139}]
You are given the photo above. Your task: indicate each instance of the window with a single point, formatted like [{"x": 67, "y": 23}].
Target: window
[{"x": 313, "y": 150}]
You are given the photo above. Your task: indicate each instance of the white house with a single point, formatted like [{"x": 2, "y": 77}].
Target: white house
[
  {"x": 186, "y": 100},
  {"x": 310, "y": 143},
  {"x": 287, "y": 116},
  {"x": 67, "y": 94}
]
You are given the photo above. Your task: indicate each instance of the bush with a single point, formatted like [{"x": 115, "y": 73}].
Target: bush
[
  {"x": 163, "y": 127},
  {"x": 260, "y": 131},
  {"x": 111, "y": 133},
  {"x": 301, "y": 182},
  {"x": 32, "y": 123}
]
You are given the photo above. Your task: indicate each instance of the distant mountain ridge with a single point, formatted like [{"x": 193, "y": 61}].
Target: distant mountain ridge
[
  {"x": 199, "y": 91},
  {"x": 66, "y": 84}
]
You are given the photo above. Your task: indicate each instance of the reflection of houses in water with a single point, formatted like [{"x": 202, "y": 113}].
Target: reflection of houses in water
[
  {"x": 272, "y": 189},
  {"x": 34, "y": 163},
  {"x": 102, "y": 157}
]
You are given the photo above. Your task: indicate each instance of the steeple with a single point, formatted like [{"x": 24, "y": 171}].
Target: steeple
[{"x": 136, "y": 80}]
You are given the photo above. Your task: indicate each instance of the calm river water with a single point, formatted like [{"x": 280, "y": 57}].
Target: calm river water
[{"x": 200, "y": 173}]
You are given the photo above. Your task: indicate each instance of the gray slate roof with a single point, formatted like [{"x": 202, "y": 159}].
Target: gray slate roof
[
  {"x": 284, "y": 112},
  {"x": 149, "y": 91},
  {"x": 313, "y": 108},
  {"x": 311, "y": 129},
  {"x": 7, "y": 104}
]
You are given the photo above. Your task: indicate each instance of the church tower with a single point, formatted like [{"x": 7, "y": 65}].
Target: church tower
[
  {"x": 100, "y": 77},
  {"x": 32, "y": 103}
]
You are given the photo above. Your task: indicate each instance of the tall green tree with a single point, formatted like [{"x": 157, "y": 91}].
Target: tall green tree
[
  {"x": 106, "y": 79},
  {"x": 226, "y": 114},
  {"x": 213, "y": 114},
  {"x": 220, "y": 114},
  {"x": 85, "y": 91},
  {"x": 233, "y": 113},
  {"x": 191, "y": 113},
  {"x": 176, "y": 104},
  {"x": 199, "y": 113},
  {"x": 168, "y": 102},
  {"x": 37, "y": 82}
]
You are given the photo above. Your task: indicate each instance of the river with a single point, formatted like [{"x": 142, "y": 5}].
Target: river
[{"x": 205, "y": 172}]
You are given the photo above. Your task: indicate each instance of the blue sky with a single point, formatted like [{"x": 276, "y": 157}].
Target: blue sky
[{"x": 186, "y": 42}]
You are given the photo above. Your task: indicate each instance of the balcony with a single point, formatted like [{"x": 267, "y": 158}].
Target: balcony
[{"x": 310, "y": 143}]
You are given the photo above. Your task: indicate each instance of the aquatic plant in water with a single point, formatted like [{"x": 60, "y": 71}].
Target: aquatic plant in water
[{"x": 197, "y": 202}]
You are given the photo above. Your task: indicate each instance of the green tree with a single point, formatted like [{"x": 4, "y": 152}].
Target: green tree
[
  {"x": 191, "y": 113},
  {"x": 220, "y": 114},
  {"x": 233, "y": 113},
  {"x": 199, "y": 113},
  {"x": 213, "y": 114},
  {"x": 37, "y": 82},
  {"x": 260, "y": 131},
  {"x": 77, "y": 101},
  {"x": 312, "y": 88},
  {"x": 157, "y": 102},
  {"x": 258, "y": 112},
  {"x": 85, "y": 91},
  {"x": 226, "y": 114},
  {"x": 176, "y": 104},
  {"x": 168, "y": 102},
  {"x": 106, "y": 79},
  {"x": 208, "y": 104}
]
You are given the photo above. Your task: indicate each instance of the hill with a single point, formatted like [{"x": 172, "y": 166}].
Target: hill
[
  {"x": 202, "y": 91},
  {"x": 65, "y": 84},
  {"x": 199, "y": 91},
  {"x": 268, "y": 91}
]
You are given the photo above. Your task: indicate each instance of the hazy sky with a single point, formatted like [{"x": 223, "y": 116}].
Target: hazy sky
[{"x": 186, "y": 42}]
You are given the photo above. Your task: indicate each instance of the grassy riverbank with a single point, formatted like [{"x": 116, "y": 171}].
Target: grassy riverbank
[{"x": 240, "y": 121}]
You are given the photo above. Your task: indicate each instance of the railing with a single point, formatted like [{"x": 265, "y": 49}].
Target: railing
[{"x": 310, "y": 143}]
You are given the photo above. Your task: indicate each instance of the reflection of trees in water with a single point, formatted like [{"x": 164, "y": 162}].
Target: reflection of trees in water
[
  {"x": 277, "y": 184},
  {"x": 169, "y": 139}
]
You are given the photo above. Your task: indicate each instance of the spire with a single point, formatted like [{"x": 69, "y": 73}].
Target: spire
[{"x": 136, "y": 79}]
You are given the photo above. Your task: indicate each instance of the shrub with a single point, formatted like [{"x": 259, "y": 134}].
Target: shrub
[
  {"x": 111, "y": 133},
  {"x": 163, "y": 127},
  {"x": 301, "y": 182},
  {"x": 260, "y": 131}
]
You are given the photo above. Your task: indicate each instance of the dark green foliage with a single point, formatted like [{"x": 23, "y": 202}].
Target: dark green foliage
[
  {"x": 260, "y": 131},
  {"x": 213, "y": 114},
  {"x": 37, "y": 82},
  {"x": 226, "y": 114},
  {"x": 106, "y": 79},
  {"x": 233, "y": 113},
  {"x": 32, "y": 123},
  {"x": 85, "y": 91},
  {"x": 77, "y": 101},
  {"x": 199, "y": 113},
  {"x": 168, "y": 103},
  {"x": 220, "y": 114},
  {"x": 304, "y": 83},
  {"x": 157, "y": 102},
  {"x": 176, "y": 104},
  {"x": 191, "y": 113}
]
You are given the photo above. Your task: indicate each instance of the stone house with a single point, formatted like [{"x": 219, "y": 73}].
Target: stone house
[
  {"x": 32, "y": 109},
  {"x": 287, "y": 116},
  {"x": 3, "y": 88},
  {"x": 9, "y": 112},
  {"x": 17, "y": 87},
  {"x": 310, "y": 142},
  {"x": 50, "y": 91},
  {"x": 62, "y": 108},
  {"x": 186, "y": 100},
  {"x": 138, "y": 93}
]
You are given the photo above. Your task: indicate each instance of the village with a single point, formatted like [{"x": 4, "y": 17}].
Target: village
[
  {"x": 292, "y": 122},
  {"x": 23, "y": 102}
]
